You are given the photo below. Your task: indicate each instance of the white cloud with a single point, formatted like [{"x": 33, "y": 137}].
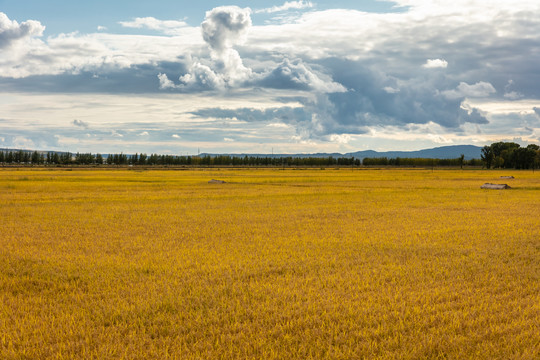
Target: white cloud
[
  {"x": 391, "y": 90},
  {"x": 228, "y": 140},
  {"x": 436, "y": 63},
  {"x": 101, "y": 28},
  {"x": 278, "y": 125},
  {"x": 223, "y": 28},
  {"x": 144, "y": 133},
  {"x": 11, "y": 31},
  {"x": 288, "y": 5},
  {"x": 513, "y": 95},
  {"x": 176, "y": 136},
  {"x": 21, "y": 142},
  {"x": 479, "y": 90},
  {"x": 165, "y": 82},
  {"x": 202, "y": 77},
  {"x": 168, "y": 27},
  {"x": 295, "y": 74},
  {"x": 439, "y": 139},
  {"x": 340, "y": 139}
]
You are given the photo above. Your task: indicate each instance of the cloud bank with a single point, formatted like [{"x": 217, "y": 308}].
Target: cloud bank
[{"x": 432, "y": 68}]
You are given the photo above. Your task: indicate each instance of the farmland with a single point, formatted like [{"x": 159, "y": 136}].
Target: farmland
[{"x": 273, "y": 264}]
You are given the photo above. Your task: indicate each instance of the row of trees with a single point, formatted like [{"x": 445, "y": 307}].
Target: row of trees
[
  {"x": 497, "y": 155},
  {"x": 420, "y": 162},
  {"x": 54, "y": 158},
  {"x": 40, "y": 158},
  {"x": 509, "y": 155}
]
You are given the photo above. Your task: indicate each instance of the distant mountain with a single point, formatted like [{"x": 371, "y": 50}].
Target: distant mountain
[{"x": 443, "y": 152}]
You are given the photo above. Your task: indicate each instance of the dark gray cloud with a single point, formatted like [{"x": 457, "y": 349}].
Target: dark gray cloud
[
  {"x": 373, "y": 99},
  {"x": 138, "y": 79},
  {"x": 288, "y": 115}
]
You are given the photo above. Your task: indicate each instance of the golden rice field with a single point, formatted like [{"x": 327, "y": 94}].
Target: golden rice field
[{"x": 274, "y": 264}]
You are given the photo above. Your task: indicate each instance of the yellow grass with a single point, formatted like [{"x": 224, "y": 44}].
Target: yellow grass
[{"x": 274, "y": 264}]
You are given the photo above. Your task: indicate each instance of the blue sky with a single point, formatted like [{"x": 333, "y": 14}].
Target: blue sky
[
  {"x": 252, "y": 76},
  {"x": 61, "y": 16}
]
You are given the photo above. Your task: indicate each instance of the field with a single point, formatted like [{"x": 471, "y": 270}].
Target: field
[{"x": 273, "y": 264}]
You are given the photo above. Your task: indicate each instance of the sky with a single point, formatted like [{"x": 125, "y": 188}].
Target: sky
[{"x": 179, "y": 77}]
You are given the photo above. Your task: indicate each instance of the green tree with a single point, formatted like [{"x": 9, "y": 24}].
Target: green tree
[
  {"x": 35, "y": 157},
  {"x": 487, "y": 156}
]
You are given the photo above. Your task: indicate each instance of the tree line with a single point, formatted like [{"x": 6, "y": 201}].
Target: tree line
[
  {"x": 497, "y": 155},
  {"x": 509, "y": 155},
  {"x": 420, "y": 162},
  {"x": 23, "y": 157}
]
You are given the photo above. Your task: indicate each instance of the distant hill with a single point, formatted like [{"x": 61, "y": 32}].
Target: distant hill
[{"x": 443, "y": 152}]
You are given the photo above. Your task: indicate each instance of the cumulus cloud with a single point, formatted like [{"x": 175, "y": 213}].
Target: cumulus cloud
[
  {"x": 11, "y": 30},
  {"x": 222, "y": 29},
  {"x": 165, "y": 82},
  {"x": 288, "y": 5},
  {"x": 168, "y": 27},
  {"x": 202, "y": 77},
  {"x": 436, "y": 63},
  {"x": 225, "y": 27},
  {"x": 294, "y": 74}
]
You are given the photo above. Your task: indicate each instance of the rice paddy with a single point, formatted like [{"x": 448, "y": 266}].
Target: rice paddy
[{"x": 272, "y": 264}]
